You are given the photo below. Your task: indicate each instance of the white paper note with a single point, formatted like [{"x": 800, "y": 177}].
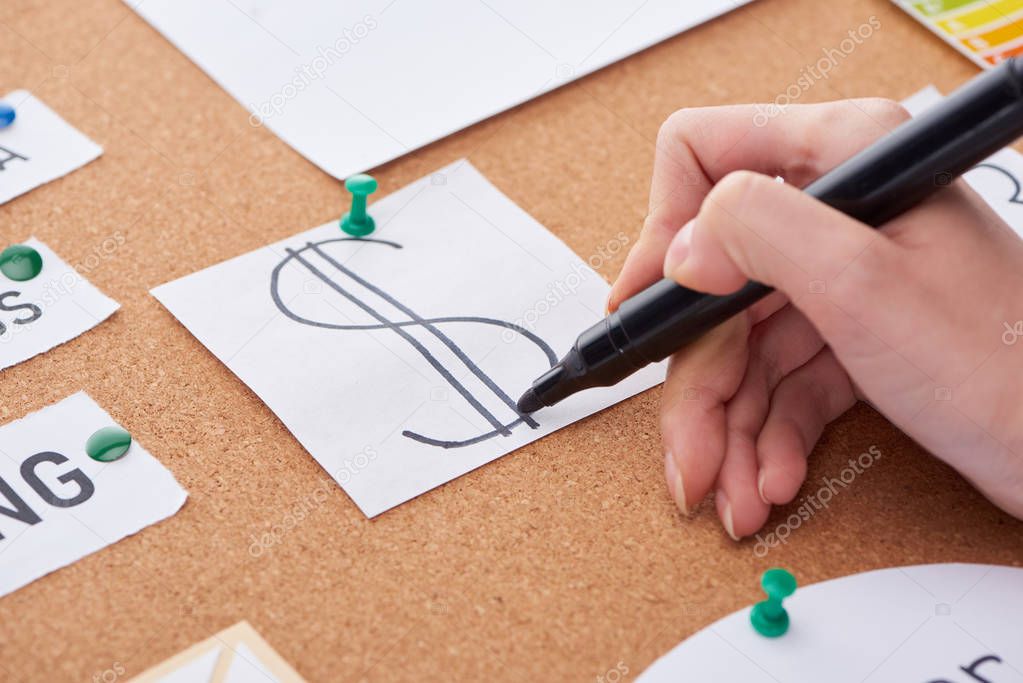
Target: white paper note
[
  {"x": 247, "y": 667},
  {"x": 38, "y": 147},
  {"x": 235, "y": 655},
  {"x": 58, "y": 505},
  {"x": 396, "y": 360},
  {"x": 350, "y": 85},
  {"x": 999, "y": 179},
  {"x": 923, "y": 624},
  {"x": 54, "y": 307}
]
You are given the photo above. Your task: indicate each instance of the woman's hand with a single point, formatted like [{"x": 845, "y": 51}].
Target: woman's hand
[{"x": 910, "y": 318}]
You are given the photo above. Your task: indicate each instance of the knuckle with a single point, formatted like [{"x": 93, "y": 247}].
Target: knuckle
[
  {"x": 673, "y": 126},
  {"x": 885, "y": 110},
  {"x": 735, "y": 192}
]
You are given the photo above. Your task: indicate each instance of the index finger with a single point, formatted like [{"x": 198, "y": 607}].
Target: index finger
[{"x": 697, "y": 147}]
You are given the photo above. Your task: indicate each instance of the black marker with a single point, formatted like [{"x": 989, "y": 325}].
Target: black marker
[{"x": 874, "y": 186}]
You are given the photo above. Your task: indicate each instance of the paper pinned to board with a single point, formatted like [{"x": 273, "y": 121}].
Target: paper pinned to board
[
  {"x": 58, "y": 505},
  {"x": 235, "y": 655},
  {"x": 928, "y": 623},
  {"x": 351, "y": 85},
  {"x": 998, "y": 179},
  {"x": 52, "y": 308},
  {"x": 38, "y": 147},
  {"x": 396, "y": 360}
]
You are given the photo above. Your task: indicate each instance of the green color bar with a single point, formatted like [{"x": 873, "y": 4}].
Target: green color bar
[{"x": 930, "y": 8}]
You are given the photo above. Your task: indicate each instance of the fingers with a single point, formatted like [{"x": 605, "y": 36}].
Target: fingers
[
  {"x": 697, "y": 147},
  {"x": 802, "y": 405},
  {"x": 700, "y": 381},
  {"x": 777, "y": 347},
  {"x": 827, "y": 264}
]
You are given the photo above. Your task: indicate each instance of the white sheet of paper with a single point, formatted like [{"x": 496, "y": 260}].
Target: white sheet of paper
[
  {"x": 58, "y": 505},
  {"x": 999, "y": 179},
  {"x": 247, "y": 667},
  {"x": 198, "y": 670},
  {"x": 38, "y": 147},
  {"x": 52, "y": 308},
  {"x": 912, "y": 624},
  {"x": 350, "y": 85},
  {"x": 237, "y": 654},
  {"x": 464, "y": 261}
]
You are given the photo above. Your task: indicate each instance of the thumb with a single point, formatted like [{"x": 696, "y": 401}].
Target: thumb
[{"x": 751, "y": 227}]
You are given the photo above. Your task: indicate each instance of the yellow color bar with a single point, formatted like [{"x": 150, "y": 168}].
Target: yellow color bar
[
  {"x": 985, "y": 13},
  {"x": 994, "y": 37}
]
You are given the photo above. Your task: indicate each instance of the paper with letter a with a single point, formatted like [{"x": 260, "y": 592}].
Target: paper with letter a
[
  {"x": 396, "y": 360},
  {"x": 951, "y": 623},
  {"x": 54, "y": 307},
  {"x": 350, "y": 85},
  {"x": 38, "y": 147},
  {"x": 58, "y": 505}
]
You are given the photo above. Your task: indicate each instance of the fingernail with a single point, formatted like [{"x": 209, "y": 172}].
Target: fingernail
[
  {"x": 678, "y": 250},
  {"x": 725, "y": 508},
  {"x": 674, "y": 479},
  {"x": 607, "y": 303},
  {"x": 761, "y": 478}
]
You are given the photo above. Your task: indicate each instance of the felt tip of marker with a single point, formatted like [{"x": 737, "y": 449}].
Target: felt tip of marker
[
  {"x": 550, "y": 388},
  {"x": 529, "y": 403}
]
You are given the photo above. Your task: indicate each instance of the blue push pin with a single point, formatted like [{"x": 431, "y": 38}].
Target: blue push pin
[
  {"x": 768, "y": 617},
  {"x": 7, "y": 115}
]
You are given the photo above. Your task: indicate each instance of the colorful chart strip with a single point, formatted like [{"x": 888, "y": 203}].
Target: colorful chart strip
[{"x": 986, "y": 31}]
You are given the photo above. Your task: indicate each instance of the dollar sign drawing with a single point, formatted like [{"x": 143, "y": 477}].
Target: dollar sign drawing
[{"x": 315, "y": 259}]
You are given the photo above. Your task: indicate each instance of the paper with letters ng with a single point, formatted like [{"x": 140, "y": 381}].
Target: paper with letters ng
[
  {"x": 58, "y": 505},
  {"x": 54, "y": 307},
  {"x": 396, "y": 360},
  {"x": 38, "y": 147}
]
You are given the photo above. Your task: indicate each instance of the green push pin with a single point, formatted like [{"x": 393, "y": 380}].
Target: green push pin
[
  {"x": 357, "y": 222},
  {"x": 108, "y": 444},
  {"x": 20, "y": 262},
  {"x": 769, "y": 618}
]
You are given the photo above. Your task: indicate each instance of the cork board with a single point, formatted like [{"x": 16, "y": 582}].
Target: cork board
[{"x": 561, "y": 561}]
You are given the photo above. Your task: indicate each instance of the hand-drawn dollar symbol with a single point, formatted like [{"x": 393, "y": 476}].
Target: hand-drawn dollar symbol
[{"x": 315, "y": 259}]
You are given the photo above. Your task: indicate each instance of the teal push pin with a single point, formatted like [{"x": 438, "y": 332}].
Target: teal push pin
[
  {"x": 357, "y": 222},
  {"x": 769, "y": 618}
]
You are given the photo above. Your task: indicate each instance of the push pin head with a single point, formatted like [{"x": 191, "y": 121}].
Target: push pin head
[
  {"x": 768, "y": 617},
  {"x": 357, "y": 222},
  {"x": 20, "y": 262},
  {"x": 7, "y": 115}
]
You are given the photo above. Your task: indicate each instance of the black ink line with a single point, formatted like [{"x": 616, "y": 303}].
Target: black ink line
[
  {"x": 416, "y": 344},
  {"x": 432, "y": 329},
  {"x": 1015, "y": 198},
  {"x": 427, "y": 323},
  {"x": 456, "y": 444},
  {"x": 11, "y": 156}
]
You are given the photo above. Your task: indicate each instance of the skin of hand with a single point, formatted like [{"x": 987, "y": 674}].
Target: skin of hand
[{"x": 909, "y": 318}]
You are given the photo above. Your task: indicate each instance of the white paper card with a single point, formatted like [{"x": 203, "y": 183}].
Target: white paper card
[
  {"x": 350, "y": 85},
  {"x": 58, "y": 505},
  {"x": 923, "y": 624},
  {"x": 999, "y": 179},
  {"x": 198, "y": 670},
  {"x": 396, "y": 361},
  {"x": 54, "y": 307},
  {"x": 38, "y": 147},
  {"x": 247, "y": 667}
]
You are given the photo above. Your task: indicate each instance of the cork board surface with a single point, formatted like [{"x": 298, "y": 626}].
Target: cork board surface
[{"x": 561, "y": 561}]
